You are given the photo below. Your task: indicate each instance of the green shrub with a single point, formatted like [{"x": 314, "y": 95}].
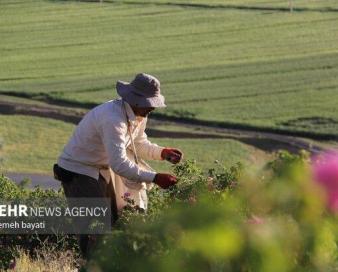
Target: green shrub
[
  {"x": 11, "y": 244},
  {"x": 274, "y": 221},
  {"x": 221, "y": 220}
]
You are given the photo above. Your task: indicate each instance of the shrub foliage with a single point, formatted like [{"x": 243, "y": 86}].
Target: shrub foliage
[
  {"x": 11, "y": 245},
  {"x": 228, "y": 220},
  {"x": 219, "y": 220}
]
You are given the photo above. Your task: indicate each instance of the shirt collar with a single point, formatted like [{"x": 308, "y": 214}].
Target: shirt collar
[{"x": 130, "y": 112}]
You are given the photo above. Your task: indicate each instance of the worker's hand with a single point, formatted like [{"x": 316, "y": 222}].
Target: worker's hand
[
  {"x": 165, "y": 180},
  {"x": 172, "y": 155}
]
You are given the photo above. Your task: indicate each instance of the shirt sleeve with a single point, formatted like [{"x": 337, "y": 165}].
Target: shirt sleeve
[
  {"x": 144, "y": 148},
  {"x": 114, "y": 141}
]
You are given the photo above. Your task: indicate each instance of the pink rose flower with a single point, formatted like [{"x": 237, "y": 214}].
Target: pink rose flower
[
  {"x": 126, "y": 195},
  {"x": 255, "y": 220},
  {"x": 325, "y": 171},
  {"x": 333, "y": 201}
]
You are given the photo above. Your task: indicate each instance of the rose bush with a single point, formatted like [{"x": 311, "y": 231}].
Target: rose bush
[
  {"x": 282, "y": 218},
  {"x": 10, "y": 245},
  {"x": 229, "y": 220}
]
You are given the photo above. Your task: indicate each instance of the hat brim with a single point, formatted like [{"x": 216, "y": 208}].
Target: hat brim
[{"x": 128, "y": 93}]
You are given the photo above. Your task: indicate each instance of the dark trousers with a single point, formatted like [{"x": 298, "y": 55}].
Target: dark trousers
[{"x": 81, "y": 186}]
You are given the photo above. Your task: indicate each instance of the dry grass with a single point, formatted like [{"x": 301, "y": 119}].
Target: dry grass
[{"x": 46, "y": 261}]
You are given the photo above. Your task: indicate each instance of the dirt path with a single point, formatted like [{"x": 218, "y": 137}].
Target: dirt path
[{"x": 44, "y": 181}]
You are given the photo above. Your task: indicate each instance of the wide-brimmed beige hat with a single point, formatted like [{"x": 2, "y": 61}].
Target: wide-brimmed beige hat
[{"x": 143, "y": 91}]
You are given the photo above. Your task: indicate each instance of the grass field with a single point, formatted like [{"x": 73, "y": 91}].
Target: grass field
[
  {"x": 32, "y": 145},
  {"x": 240, "y": 62}
]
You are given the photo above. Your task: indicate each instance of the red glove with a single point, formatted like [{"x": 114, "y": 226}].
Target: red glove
[
  {"x": 172, "y": 155},
  {"x": 165, "y": 180}
]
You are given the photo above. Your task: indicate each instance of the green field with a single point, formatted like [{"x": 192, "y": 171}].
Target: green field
[
  {"x": 239, "y": 62},
  {"x": 32, "y": 145}
]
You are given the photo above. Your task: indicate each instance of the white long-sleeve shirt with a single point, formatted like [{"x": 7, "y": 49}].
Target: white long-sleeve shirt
[{"x": 101, "y": 140}]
